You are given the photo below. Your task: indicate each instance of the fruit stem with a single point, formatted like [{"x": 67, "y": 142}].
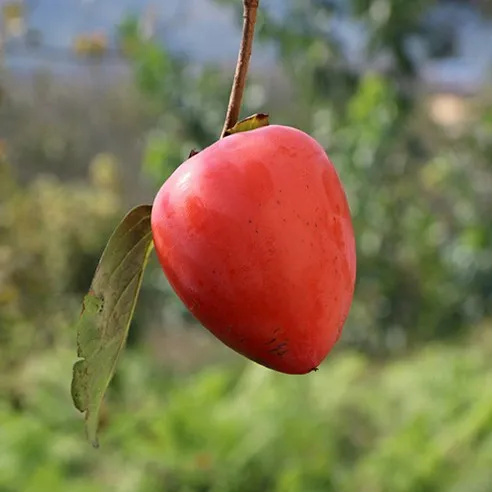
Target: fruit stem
[{"x": 250, "y": 8}]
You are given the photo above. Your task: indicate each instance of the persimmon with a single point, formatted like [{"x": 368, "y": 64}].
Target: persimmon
[{"x": 254, "y": 234}]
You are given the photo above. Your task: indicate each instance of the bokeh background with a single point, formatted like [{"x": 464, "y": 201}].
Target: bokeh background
[{"x": 100, "y": 100}]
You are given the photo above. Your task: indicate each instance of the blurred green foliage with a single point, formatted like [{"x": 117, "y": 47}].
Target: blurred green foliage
[
  {"x": 423, "y": 423},
  {"x": 404, "y": 403},
  {"x": 47, "y": 256}
]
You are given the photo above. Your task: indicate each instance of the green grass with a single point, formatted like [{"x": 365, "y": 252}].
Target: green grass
[{"x": 419, "y": 424}]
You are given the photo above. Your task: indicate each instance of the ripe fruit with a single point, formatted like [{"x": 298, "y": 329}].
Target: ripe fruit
[{"x": 255, "y": 236}]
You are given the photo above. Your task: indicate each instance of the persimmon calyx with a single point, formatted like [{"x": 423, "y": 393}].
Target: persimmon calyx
[{"x": 253, "y": 122}]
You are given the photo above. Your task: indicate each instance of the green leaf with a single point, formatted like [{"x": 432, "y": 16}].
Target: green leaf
[
  {"x": 250, "y": 123},
  {"x": 107, "y": 312}
]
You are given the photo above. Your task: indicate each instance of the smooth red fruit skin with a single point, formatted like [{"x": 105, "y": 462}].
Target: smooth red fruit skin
[{"x": 255, "y": 236}]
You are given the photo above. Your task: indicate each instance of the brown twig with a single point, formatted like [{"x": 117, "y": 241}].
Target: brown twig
[{"x": 250, "y": 8}]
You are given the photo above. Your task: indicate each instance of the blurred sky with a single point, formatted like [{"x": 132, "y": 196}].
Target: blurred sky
[
  {"x": 208, "y": 32},
  {"x": 201, "y": 28}
]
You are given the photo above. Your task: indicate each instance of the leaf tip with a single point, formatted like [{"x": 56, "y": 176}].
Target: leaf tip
[{"x": 91, "y": 428}]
